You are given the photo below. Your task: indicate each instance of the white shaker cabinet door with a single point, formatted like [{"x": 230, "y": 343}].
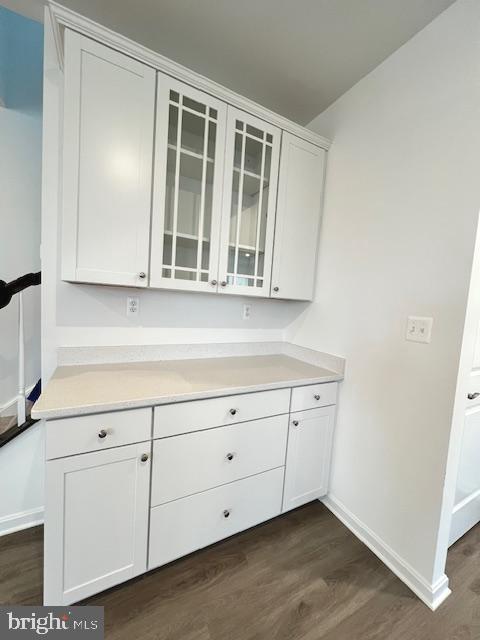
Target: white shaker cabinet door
[
  {"x": 308, "y": 456},
  {"x": 96, "y": 521},
  {"x": 249, "y": 202},
  {"x": 300, "y": 193},
  {"x": 109, "y": 103},
  {"x": 189, "y": 155}
]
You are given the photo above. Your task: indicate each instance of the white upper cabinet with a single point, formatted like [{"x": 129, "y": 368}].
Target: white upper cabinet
[
  {"x": 189, "y": 154},
  {"x": 107, "y": 164},
  {"x": 249, "y": 201},
  {"x": 169, "y": 187},
  {"x": 300, "y": 194}
]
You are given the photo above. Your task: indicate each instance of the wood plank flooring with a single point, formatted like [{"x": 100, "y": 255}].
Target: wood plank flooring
[{"x": 302, "y": 576}]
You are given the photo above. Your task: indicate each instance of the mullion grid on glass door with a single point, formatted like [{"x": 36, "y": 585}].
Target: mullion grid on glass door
[
  {"x": 235, "y": 277},
  {"x": 172, "y": 270}
]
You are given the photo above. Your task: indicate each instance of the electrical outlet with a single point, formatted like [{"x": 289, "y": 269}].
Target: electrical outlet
[
  {"x": 133, "y": 306},
  {"x": 419, "y": 329},
  {"x": 247, "y": 311}
]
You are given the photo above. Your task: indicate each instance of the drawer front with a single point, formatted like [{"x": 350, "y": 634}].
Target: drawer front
[
  {"x": 70, "y": 436},
  {"x": 195, "y": 462},
  {"x": 313, "y": 396},
  {"x": 185, "y": 417},
  {"x": 185, "y": 525}
]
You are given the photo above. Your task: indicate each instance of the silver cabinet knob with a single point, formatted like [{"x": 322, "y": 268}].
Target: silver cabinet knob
[
  {"x": 276, "y": 289},
  {"x": 144, "y": 457},
  {"x": 233, "y": 412},
  {"x": 223, "y": 283},
  {"x": 142, "y": 275},
  {"x": 295, "y": 423},
  {"x": 213, "y": 283},
  {"x": 102, "y": 434},
  {"x": 230, "y": 456},
  {"x": 226, "y": 513},
  {"x": 317, "y": 396},
  {"x": 473, "y": 396}
]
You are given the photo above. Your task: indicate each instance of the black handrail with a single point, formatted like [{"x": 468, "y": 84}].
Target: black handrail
[{"x": 8, "y": 290}]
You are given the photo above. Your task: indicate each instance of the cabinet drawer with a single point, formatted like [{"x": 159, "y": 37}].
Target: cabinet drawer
[
  {"x": 184, "y": 417},
  {"x": 70, "y": 436},
  {"x": 194, "y": 462},
  {"x": 185, "y": 525},
  {"x": 314, "y": 395}
]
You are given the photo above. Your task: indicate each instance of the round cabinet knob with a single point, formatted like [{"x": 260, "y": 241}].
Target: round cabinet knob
[
  {"x": 226, "y": 513},
  {"x": 233, "y": 412},
  {"x": 317, "y": 396},
  {"x": 214, "y": 283},
  {"x": 230, "y": 456},
  {"x": 276, "y": 289},
  {"x": 142, "y": 275},
  {"x": 223, "y": 283},
  {"x": 102, "y": 433},
  {"x": 144, "y": 457},
  {"x": 295, "y": 423}
]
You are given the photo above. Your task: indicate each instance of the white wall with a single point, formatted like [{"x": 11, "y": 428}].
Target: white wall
[
  {"x": 402, "y": 201},
  {"x": 79, "y": 315},
  {"x": 21, "y": 462}
]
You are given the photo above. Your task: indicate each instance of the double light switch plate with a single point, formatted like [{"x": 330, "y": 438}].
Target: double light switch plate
[{"x": 419, "y": 329}]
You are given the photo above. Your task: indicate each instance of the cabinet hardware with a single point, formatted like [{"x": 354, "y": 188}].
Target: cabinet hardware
[
  {"x": 223, "y": 283},
  {"x": 144, "y": 457},
  {"x": 233, "y": 412},
  {"x": 230, "y": 456},
  {"x": 214, "y": 283},
  {"x": 473, "y": 396},
  {"x": 276, "y": 289},
  {"x": 102, "y": 434},
  {"x": 142, "y": 275},
  {"x": 295, "y": 423},
  {"x": 226, "y": 513},
  {"x": 317, "y": 396}
]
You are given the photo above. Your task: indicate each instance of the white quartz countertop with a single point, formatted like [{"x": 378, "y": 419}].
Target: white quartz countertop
[{"x": 93, "y": 388}]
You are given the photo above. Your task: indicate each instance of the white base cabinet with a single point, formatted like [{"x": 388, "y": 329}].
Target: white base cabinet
[
  {"x": 114, "y": 510},
  {"x": 96, "y": 522},
  {"x": 308, "y": 456}
]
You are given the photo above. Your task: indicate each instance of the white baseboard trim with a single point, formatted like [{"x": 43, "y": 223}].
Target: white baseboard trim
[
  {"x": 431, "y": 594},
  {"x": 19, "y": 521},
  {"x": 9, "y": 408}
]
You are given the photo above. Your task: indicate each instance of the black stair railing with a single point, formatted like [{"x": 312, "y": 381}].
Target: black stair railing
[{"x": 7, "y": 291}]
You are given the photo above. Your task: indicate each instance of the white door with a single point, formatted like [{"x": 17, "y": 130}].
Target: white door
[
  {"x": 466, "y": 512},
  {"x": 189, "y": 155},
  {"x": 109, "y": 103},
  {"x": 308, "y": 456},
  {"x": 300, "y": 192},
  {"x": 96, "y": 521},
  {"x": 249, "y": 202}
]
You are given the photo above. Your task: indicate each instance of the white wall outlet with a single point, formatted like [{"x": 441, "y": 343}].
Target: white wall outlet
[
  {"x": 419, "y": 329},
  {"x": 133, "y": 306},
  {"x": 247, "y": 311}
]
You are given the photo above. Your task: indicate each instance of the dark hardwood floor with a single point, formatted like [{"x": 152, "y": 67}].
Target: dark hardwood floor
[{"x": 302, "y": 576}]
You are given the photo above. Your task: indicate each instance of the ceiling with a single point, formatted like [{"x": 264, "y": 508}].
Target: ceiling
[{"x": 294, "y": 56}]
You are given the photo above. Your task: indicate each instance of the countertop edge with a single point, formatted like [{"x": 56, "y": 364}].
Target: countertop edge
[{"x": 80, "y": 410}]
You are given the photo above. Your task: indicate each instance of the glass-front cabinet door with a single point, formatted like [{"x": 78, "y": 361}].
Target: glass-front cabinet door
[
  {"x": 249, "y": 203},
  {"x": 187, "y": 200}
]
